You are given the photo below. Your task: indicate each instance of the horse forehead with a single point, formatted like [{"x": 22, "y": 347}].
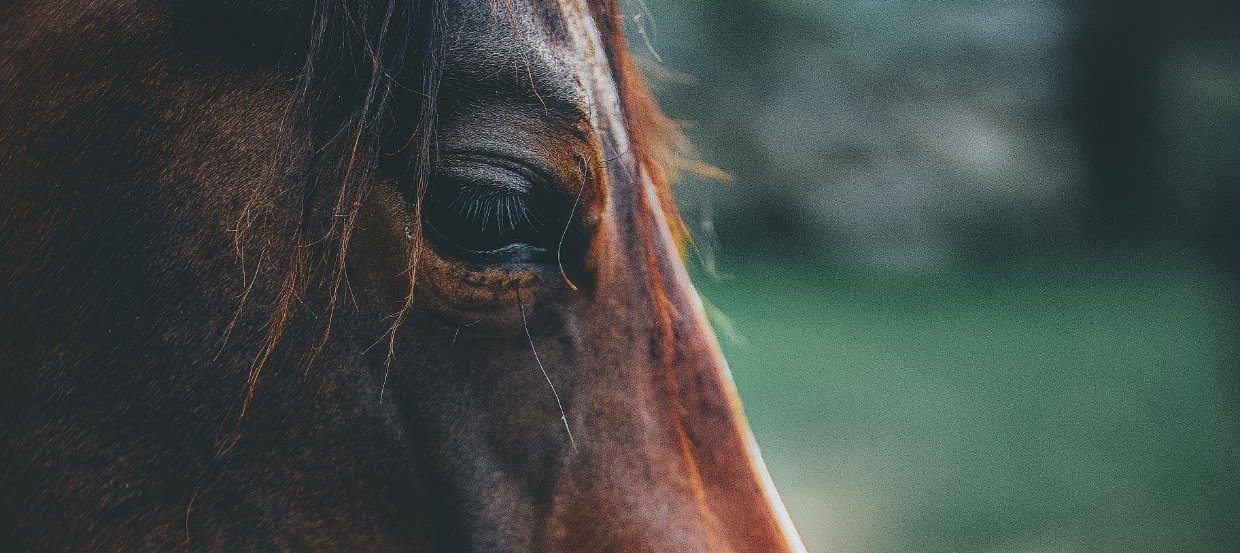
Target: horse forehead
[{"x": 552, "y": 49}]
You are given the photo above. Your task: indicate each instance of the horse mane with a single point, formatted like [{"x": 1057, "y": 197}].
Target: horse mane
[
  {"x": 364, "y": 53},
  {"x": 371, "y": 52}
]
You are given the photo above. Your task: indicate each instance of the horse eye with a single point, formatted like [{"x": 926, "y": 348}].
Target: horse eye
[{"x": 491, "y": 212}]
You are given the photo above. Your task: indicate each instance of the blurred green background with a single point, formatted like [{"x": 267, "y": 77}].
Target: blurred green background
[{"x": 976, "y": 272}]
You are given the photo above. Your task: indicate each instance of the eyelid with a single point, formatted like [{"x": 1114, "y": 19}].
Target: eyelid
[
  {"x": 499, "y": 179},
  {"x": 533, "y": 170}
]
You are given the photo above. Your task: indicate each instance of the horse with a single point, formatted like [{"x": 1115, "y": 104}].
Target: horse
[{"x": 373, "y": 275}]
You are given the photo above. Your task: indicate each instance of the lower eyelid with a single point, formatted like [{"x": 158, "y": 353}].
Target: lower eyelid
[{"x": 511, "y": 253}]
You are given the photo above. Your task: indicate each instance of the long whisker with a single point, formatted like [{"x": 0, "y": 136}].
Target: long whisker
[
  {"x": 563, "y": 416},
  {"x": 559, "y": 249},
  {"x": 457, "y": 334}
]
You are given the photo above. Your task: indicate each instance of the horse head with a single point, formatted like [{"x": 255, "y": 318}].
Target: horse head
[{"x": 390, "y": 275}]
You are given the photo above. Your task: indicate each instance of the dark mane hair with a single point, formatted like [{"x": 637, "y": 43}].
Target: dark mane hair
[
  {"x": 352, "y": 65},
  {"x": 367, "y": 87}
]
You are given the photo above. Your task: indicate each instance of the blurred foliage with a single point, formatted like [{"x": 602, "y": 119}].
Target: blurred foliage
[
  {"x": 979, "y": 261},
  {"x": 1062, "y": 407},
  {"x": 920, "y": 135}
]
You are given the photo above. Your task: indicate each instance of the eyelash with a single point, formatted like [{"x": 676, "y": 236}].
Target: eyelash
[{"x": 484, "y": 209}]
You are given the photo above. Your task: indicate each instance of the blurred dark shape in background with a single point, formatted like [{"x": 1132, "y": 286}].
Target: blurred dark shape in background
[
  {"x": 1157, "y": 97},
  {"x": 976, "y": 273}
]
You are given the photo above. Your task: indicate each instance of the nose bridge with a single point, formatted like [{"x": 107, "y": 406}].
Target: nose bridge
[
  {"x": 718, "y": 448},
  {"x": 738, "y": 503}
]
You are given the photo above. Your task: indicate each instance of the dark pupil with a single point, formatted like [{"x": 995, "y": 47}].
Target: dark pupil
[{"x": 484, "y": 209}]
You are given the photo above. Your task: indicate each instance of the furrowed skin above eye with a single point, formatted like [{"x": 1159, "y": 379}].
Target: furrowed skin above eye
[{"x": 494, "y": 210}]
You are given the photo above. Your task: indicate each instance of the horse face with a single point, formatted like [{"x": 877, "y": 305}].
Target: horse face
[
  {"x": 576, "y": 339},
  {"x": 443, "y": 308}
]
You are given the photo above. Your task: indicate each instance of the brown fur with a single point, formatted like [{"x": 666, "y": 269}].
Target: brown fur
[{"x": 212, "y": 338}]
